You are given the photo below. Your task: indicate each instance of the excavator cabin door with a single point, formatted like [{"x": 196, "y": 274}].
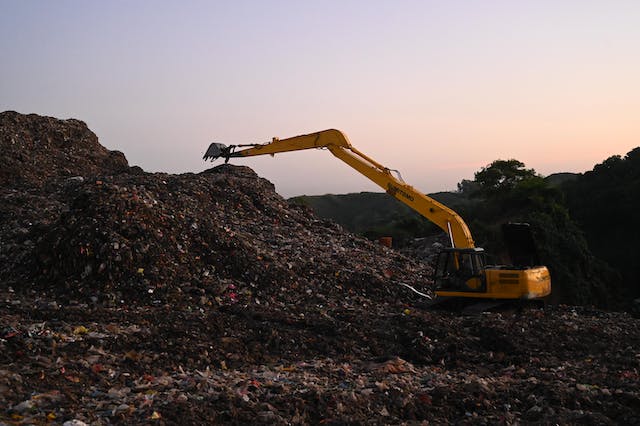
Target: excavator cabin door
[{"x": 460, "y": 270}]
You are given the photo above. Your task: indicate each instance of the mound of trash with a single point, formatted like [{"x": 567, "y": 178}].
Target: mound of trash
[
  {"x": 97, "y": 230},
  {"x": 36, "y": 149},
  {"x": 156, "y": 238},
  {"x": 135, "y": 298}
]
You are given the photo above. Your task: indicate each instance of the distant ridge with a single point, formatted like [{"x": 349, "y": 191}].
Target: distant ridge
[{"x": 557, "y": 179}]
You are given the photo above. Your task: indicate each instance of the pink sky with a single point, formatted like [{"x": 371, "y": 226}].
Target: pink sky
[{"x": 435, "y": 89}]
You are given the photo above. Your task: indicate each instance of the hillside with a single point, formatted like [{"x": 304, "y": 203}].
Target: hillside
[
  {"x": 133, "y": 298},
  {"x": 605, "y": 202},
  {"x": 376, "y": 214}
]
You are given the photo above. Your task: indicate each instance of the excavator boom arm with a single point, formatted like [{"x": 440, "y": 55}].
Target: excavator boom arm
[{"x": 336, "y": 142}]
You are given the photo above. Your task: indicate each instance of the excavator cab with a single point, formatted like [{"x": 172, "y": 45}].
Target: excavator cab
[
  {"x": 463, "y": 272},
  {"x": 460, "y": 270}
]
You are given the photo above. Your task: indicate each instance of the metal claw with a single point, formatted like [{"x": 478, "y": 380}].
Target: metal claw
[{"x": 217, "y": 150}]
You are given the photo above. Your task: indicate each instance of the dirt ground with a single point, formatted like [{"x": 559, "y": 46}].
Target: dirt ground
[{"x": 138, "y": 298}]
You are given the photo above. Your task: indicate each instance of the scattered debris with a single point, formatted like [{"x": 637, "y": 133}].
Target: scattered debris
[{"x": 136, "y": 298}]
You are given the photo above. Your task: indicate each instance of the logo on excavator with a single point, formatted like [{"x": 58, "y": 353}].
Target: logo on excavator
[{"x": 393, "y": 190}]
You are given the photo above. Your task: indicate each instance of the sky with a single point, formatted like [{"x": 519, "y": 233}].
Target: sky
[{"x": 435, "y": 89}]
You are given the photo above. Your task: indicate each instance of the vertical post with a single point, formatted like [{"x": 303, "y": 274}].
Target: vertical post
[{"x": 450, "y": 234}]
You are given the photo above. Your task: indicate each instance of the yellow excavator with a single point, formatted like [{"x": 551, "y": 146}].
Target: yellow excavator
[{"x": 461, "y": 270}]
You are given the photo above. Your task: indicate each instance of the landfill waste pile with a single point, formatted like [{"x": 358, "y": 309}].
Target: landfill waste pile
[
  {"x": 129, "y": 297},
  {"x": 425, "y": 249}
]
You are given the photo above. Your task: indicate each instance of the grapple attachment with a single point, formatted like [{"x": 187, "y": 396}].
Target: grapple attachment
[{"x": 217, "y": 150}]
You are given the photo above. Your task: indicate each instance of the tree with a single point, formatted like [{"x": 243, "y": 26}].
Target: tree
[
  {"x": 502, "y": 176},
  {"x": 605, "y": 202},
  {"x": 506, "y": 191},
  {"x": 468, "y": 187}
]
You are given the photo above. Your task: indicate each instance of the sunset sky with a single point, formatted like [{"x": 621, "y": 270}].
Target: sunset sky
[{"x": 436, "y": 89}]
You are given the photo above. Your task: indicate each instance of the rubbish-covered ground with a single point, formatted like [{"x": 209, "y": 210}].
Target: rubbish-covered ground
[{"x": 135, "y": 298}]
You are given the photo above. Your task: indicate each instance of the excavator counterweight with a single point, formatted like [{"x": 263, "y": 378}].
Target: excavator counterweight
[{"x": 460, "y": 270}]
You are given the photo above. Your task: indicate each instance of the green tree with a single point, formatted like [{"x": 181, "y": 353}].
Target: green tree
[
  {"x": 605, "y": 202},
  {"x": 501, "y": 176},
  {"x": 506, "y": 191},
  {"x": 468, "y": 187}
]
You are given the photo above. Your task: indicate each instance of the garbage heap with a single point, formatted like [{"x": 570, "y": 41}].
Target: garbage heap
[
  {"x": 134, "y": 298},
  {"x": 80, "y": 223}
]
